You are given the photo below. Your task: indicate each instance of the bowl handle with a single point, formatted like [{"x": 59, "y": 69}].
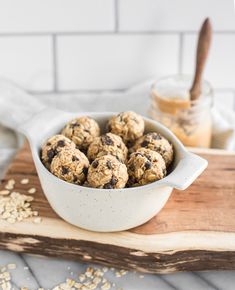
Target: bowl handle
[{"x": 188, "y": 169}]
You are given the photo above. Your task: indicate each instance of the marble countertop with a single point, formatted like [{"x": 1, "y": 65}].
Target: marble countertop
[
  {"x": 34, "y": 272},
  {"x": 38, "y": 272}
]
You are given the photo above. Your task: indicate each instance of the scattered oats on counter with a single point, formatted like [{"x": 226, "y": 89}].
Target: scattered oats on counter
[
  {"x": 82, "y": 277},
  {"x": 4, "y": 192},
  {"x": 37, "y": 220},
  {"x": 11, "y": 266},
  {"x": 89, "y": 272},
  {"x": 5, "y": 277},
  {"x": 24, "y": 181},
  {"x": 16, "y": 207},
  {"x": 92, "y": 279},
  {"x": 106, "y": 286},
  {"x": 121, "y": 273},
  {"x": 10, "y": 184},
  {"x": 32, "y": 190}
]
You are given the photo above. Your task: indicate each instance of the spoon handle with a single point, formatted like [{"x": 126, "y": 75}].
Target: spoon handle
[{"x": 204, "y": 42}]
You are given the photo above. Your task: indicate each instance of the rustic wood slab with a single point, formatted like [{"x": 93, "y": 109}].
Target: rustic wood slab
[{"x": 194, "y": 231}]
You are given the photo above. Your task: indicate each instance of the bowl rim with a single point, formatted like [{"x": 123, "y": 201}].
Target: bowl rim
[{"x": 159, "y": 183}]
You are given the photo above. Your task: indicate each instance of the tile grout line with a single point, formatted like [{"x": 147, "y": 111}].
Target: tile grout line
[
  {"x": 54, "y": 63},
  {"x": 181, "y": 51},
  {"x": 30, "y": 270},
  {"x": 116, "y": 16},
  {"x": 107, "y": 32}
]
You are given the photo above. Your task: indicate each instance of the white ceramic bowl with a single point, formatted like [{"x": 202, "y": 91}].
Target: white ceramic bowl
[{"x": 107, "y": 210}]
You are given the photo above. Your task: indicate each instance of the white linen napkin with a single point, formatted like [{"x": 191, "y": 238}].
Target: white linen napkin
[
  {"x": 17, "y": 106},
  {"x": 223, "y": 130}
]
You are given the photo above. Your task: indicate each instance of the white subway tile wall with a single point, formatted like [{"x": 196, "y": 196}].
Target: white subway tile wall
[
  {"x": 92, "y": 45},
  {"x": 178, "y": 15},
  {"x": 115, "y": 61},
  {"x": 27, "y": 60},
  {"x": 220, "y": 69},
  {"x": 56, "y": 15}
]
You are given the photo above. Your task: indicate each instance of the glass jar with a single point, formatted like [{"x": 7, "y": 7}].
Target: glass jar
[{"x": 189, "y": 120}]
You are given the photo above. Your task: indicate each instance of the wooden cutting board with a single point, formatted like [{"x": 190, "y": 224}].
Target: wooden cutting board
[{"x": 194, "y": 231}]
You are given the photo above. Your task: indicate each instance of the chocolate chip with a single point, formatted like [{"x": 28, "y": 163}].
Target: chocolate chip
[
  {"x": 131, "y": 181},
  {"x": 73, "y": 125},
  {"x": 74, "y": 158},
  {"x": 48, "y": 144},
  {"x": 113, "y": 180},
  {"x": 149, "y": 157},
  {"x": 51, "y": 154},
  {"x": 75, "y": 179},
  {"x": 106, "y": 140},
  {"x": 156, "y": 136},
  {"x": 95, "y": 164},
  {"x": 111, "y": 183},
  {"x": 85, "y": 170},
  {"x": 148, "y": 165},
  {"x": 61, "y": 143},
  {"x": 157, "y": 148},
  {"x": 108, "y": 186},
  {"x": 131, "y": 167},
  {"x": 109, "y": 164},
  {"x": 144, "y": 143},
  {"x": 129, "y": 144},
  {"x": 64, "y": 170},
  {"x": 86, "y": 130},
  {"x": 118, "y": 159}
]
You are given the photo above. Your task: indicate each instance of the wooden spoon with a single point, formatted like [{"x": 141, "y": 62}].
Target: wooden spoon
[{"x": 204, "y": 42}]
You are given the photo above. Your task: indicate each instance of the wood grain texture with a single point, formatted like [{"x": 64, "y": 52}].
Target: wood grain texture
[{"x": 194, "y": 231}]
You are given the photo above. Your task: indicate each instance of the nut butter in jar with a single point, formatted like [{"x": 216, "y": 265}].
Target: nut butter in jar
[{"x": 189, "y": 120}]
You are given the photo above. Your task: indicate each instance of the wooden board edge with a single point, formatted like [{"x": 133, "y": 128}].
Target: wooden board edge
[
  {"x": 118, "y": 256},
  {"x": 158, "y": 243}
]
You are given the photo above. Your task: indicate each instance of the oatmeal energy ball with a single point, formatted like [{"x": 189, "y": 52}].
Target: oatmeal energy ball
[
  {"x": 70, "y": 165},
  {"x": 52, "y": 146},
  {"x": 82, "y": 131},
  {"x": 145, "y": 166},
  {"x": 128, "y": 125},
  {"x": 155, "y": 142},
  {"x": 107, "y": 144},
  {"x": 107, "y": 172}
]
